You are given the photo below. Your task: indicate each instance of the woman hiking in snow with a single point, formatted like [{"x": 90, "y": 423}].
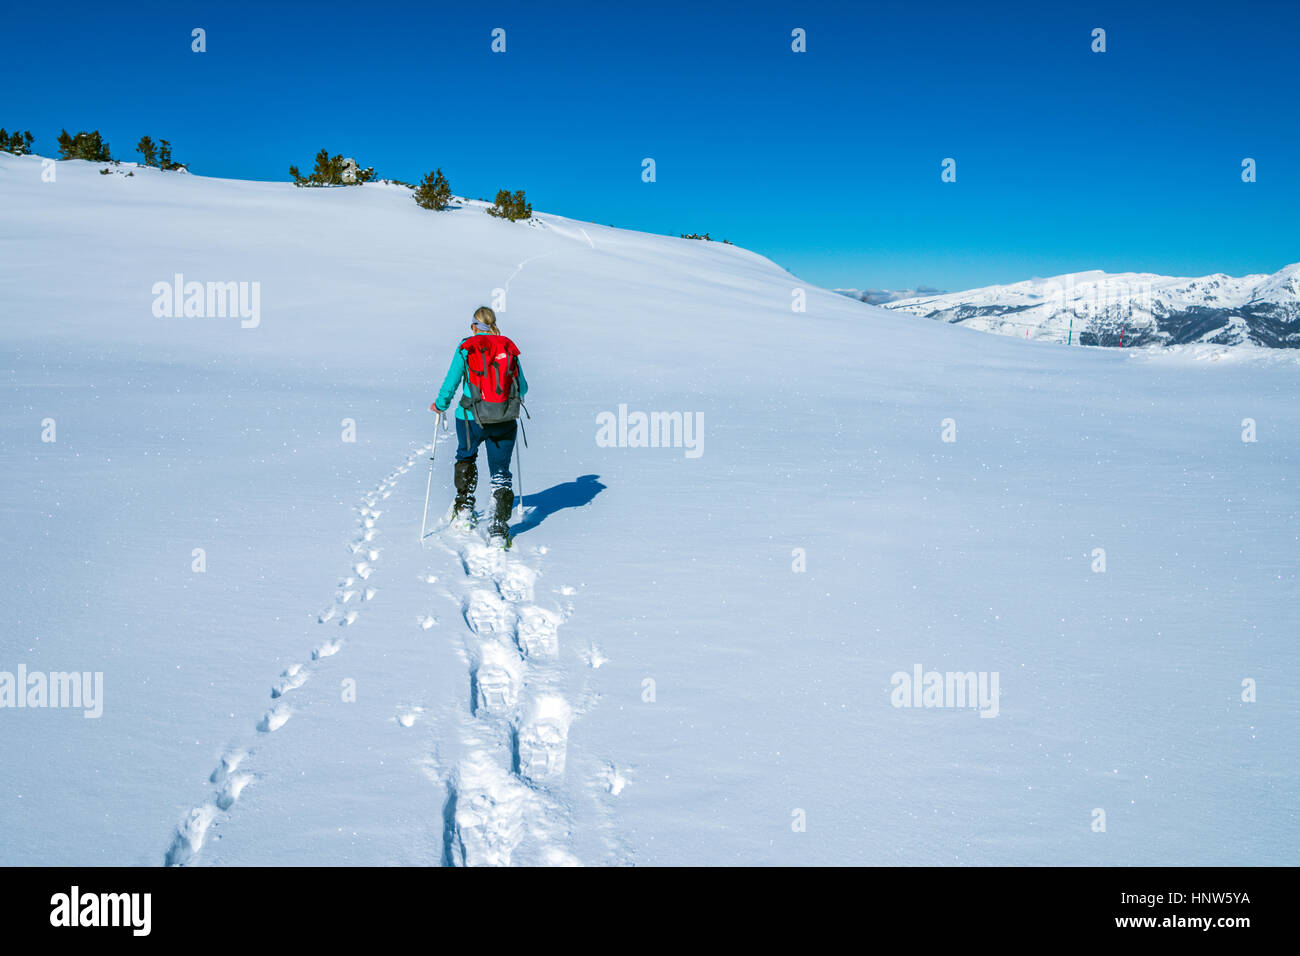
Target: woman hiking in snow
[{"x": 486, "y": 366}]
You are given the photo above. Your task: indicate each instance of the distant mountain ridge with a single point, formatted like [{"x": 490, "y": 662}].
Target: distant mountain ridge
[
  {"x": 1129, "y": 309},
  {"x": 882, "y": 296}
]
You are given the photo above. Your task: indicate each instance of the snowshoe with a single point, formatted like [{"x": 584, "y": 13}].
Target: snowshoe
[{"x": 462, "y": 521}]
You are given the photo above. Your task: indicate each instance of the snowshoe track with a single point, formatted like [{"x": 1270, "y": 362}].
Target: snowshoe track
[{"x": 500, "y": 808}]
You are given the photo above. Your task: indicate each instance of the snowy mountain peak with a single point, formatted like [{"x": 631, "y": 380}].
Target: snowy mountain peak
[{"x": 1130, "y": 309}]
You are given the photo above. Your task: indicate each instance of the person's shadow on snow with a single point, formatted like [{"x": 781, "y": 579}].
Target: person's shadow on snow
[{"x": 570, "y": 494}]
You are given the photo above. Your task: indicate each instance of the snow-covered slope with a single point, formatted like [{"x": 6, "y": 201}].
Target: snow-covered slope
[
  {"x": 687, "y": 658},
  {"x": 1130, "y": 309}
]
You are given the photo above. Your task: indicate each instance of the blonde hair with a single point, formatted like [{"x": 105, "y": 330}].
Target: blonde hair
[{"x": 485, "y": 316}]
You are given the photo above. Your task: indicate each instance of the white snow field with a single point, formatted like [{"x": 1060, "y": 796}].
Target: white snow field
[{"x": 647, "y": 677}]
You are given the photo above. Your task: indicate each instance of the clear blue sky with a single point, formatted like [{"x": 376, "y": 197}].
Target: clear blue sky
[{"x": 826, "y": 161}]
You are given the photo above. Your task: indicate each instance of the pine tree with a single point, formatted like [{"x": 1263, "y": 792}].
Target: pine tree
[
  {"x": 84, "y": 146},
  {"x": 434, "y": 191},
  {"x": 328, "y": 171},
  {"x": 20, "y": 144},
  {"x": 511, "y": 207},
  {"x": 146, "y": 149}
]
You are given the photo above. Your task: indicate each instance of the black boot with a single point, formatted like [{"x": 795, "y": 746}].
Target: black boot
[
  {"x": 466, "y": 482},
  {"x": 504, "y": 499}
]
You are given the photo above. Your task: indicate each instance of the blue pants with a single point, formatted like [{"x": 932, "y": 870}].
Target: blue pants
[{"x": 499, "y": 440}]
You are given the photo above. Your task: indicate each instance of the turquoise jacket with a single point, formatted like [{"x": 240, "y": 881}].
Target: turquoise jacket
[{"x": 456, "y": 375}]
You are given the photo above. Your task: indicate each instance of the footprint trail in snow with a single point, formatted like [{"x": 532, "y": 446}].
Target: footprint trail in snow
[
  {"x": 505, "y": 798},
  {"x": 354, "y": 590}
]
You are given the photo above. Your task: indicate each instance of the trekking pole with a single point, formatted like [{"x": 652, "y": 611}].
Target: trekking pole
[
  {"x": 428, "y": 486},
  {"x": 519, "y": 478},
  {"x": 519, "y": 469}
]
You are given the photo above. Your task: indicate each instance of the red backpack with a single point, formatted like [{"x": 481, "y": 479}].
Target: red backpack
[{"x": 491, "y": 392}]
